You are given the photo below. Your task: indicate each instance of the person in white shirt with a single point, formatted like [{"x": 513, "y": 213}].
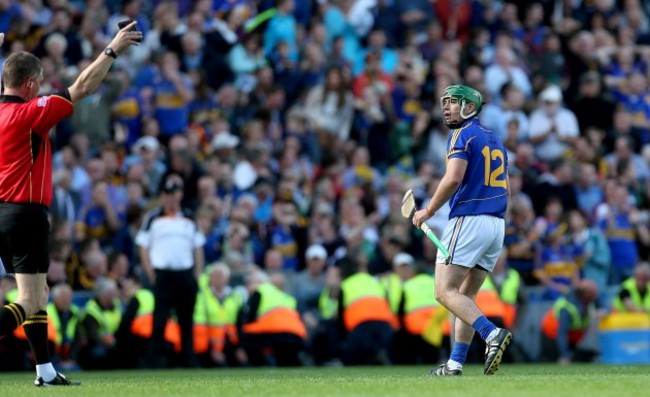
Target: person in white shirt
[
  {"x": 553, "y": 128},
  {"x": 171, "y": 252}
]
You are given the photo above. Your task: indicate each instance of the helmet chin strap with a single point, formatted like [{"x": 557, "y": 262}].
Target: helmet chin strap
[
  {"x": 462, "y": 111},
  {"x": 463, "y": 116}
]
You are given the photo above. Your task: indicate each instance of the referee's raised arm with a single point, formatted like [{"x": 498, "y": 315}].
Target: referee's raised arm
[{"x": 92, "y": 76}]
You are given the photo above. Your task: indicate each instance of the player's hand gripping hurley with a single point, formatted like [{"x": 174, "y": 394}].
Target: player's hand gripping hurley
[{"x": 408, "y": 210}]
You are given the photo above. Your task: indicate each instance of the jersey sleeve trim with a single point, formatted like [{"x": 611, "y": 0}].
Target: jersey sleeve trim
[{"x": 65, "y": 94}]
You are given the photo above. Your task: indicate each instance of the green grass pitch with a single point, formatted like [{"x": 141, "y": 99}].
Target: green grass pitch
[{"x": 510, "y": 381}]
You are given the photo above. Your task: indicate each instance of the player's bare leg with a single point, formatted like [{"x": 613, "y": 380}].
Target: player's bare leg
[
  {"x": 463, "y": 333},
  {"x": 449, "y": 281}
]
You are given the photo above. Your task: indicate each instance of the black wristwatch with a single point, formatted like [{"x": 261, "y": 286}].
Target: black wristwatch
[{"x": 109, "y": 52}]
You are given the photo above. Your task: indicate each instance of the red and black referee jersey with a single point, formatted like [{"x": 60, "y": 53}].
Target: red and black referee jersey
[{"x": 25, "y": 152}]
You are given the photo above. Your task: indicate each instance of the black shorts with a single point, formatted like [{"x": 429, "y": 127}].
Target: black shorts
[{"x": 24, "y": 238}]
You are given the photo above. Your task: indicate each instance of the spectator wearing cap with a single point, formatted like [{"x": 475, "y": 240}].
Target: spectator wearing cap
[
  {"x": 224, "y": 144},
  {"x": 553, "y": 128},
  {"x": 171, "y": 252},
  {"x": 309, "y": 282}
]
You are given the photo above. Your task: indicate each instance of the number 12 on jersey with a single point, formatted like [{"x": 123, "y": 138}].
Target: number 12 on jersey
[{"x": 494, "y": 177}]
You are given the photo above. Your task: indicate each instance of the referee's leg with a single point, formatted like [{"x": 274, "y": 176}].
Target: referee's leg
[{"x": 25, "y": 231}]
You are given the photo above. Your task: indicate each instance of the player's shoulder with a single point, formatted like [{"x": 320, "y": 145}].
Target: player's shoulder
[
  {"x": 472, "y": 127},
  {"x": 476, "y": 126}
]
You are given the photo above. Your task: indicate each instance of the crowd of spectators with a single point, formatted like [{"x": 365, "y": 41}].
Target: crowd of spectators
[{"x": 295, "y": 123}]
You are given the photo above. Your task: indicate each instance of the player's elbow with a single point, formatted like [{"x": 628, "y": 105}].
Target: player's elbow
[{"x": 454, "y": 181}]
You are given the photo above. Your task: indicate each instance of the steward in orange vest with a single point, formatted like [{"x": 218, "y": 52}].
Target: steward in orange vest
[
  {"x": 99, "y": 321},
  {"x": 136, "y": 326},
  {"x": 365, "y": 319},
  {"x": 566, "y": 323},
  {"x": 215, "y": 317},
  {"x": 270, "y": 328},
  {"x": 325, "y": 339},
  {"x": 416, "y": 311}
]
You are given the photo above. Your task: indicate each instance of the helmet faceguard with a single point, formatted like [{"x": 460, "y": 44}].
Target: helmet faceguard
[{"x": 464, "y": 95}]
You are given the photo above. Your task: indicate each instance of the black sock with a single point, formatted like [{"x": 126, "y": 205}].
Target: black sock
[
  {"x": 36, "y": 331},
  {"x": 11, "y": 316}
]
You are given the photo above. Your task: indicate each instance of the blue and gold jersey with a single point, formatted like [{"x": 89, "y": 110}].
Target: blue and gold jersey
[{"x": 483, "y": 190}]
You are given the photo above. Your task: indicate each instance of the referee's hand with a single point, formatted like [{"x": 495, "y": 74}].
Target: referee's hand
[{"x": 125, "y": 38}]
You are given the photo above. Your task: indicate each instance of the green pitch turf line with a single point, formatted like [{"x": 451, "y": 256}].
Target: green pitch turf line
[{"x": 511, "y": 381}]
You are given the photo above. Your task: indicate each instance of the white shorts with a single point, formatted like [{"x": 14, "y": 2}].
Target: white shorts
[{"x": 473, "y": 241}]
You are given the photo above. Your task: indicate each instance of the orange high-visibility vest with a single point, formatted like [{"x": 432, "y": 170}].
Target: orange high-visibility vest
[
  {"x": 364, "y": 300},
  {"x": 551, "y": 323},
  {"x": 214, "y": 321},
  {"x": 142, "y": 324},
  {"x": 509, "y": 293},
  {"x": 420, "y": 303},
  {"x": 276, "y": 313}
]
